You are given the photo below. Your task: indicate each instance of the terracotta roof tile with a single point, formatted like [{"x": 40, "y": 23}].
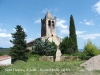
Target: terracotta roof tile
[{"x": 4, "y": 57}]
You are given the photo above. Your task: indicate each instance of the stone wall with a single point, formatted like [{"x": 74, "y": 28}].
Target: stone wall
[
  {"x": 68, "y": 58},
  {"x": 46, "y": 58},
  {"x": 62, "y": 58}
]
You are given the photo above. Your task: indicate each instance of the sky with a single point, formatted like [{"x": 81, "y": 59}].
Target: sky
[{"x": 28, "y": 14}]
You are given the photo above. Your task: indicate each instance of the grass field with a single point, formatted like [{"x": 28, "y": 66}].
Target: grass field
[{"x": 36, "y": 67}]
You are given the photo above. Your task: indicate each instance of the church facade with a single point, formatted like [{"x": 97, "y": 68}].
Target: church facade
[{"x": 48, "y": 30}]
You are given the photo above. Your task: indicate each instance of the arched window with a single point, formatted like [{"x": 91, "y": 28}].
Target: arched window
[
  {"x": 49, "y": 23},
  {"x": 52, "y": 23},
  {"x": 44, "y": 25}
]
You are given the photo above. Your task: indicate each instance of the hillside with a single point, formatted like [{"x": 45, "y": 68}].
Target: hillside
[{"x": 4, "y": 50}]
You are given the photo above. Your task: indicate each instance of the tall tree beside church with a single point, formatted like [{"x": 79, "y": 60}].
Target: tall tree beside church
[
  {"x": 18, "y": 51},
  {"x": 72, "y": 33}
]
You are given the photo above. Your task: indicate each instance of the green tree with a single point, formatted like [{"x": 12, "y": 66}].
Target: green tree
[
  {"x": 18, "y": 51},
  {"x": 66, "y": 46},
  {"x": 44, "y": 47},
  {"x": 91, "y": 49},
  {"x": 72, "y": 33}
]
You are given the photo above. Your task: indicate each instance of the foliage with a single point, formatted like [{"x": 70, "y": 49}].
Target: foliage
[
  {"x": 91, "y": 49},
  {"x": 1, "y": 54},
  {"x": 67, "y": 46},
  {"x": 4, "y": 51},
  {"x": 18, "y": 51},
  {"x": 44, "y": 47},
  {"x": 72, "y": 33},
  {"x": 82, "y": 55}
]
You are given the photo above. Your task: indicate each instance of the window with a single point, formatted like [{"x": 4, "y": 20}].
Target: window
[
  {"x": 44, "y": 25},
  {"x": 52, "y": 23},
  {"x": 49, "y": 23}
]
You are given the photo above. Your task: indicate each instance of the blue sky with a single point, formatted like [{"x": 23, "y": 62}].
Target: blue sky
[{"x": 28, "y": 14}]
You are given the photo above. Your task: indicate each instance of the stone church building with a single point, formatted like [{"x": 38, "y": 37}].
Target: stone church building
[{"x": 48, "y": 30}]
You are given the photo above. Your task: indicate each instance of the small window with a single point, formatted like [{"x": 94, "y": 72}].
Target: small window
[
  {"x": 49, "y": 23},
  {"x": 52, "y": 23},
  {"x": 44, "y": 25}
]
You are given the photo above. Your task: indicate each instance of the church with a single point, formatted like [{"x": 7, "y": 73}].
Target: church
[{"x": 48, "y": 30}]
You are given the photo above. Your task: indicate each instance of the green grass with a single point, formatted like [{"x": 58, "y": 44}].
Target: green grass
[{"x": 36, "y": 67}]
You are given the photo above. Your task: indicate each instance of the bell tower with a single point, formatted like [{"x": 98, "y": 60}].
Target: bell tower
[{"x": 48, "y": 26}]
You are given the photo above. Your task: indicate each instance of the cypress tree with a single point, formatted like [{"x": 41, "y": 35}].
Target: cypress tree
[
  {"x": 72, "y": 33},
  {"x": 18, "y": 51}
]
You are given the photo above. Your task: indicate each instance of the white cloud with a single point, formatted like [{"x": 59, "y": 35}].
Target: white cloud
[
  {"x": 96, "y": 7},
  {"x": 38, "y": 20},
  {"x": 14, "y": 30},
  {"x": 3, "y": 30},
  {"x": 39, "y": 34},
  {"x": 80, "y": 22},
  {"x": 90, "y": 23},
  {"x": 64, "y": 31},
  {"x": 89, "y": 36},
  {"x": 25, "y": 29},
  {"x": 5, "y": 35},
  {"x": 61, "y": 36},
  {"x": 45, "y": 10},
  {"x": 5, "y": 43},
  {"x": 62, "y": 26},
  {"x": 80, "y": 32},
  {"x": 29, "y": 39}
]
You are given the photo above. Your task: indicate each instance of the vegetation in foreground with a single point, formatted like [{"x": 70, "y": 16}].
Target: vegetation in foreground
[{"x": 35, "y": 67}]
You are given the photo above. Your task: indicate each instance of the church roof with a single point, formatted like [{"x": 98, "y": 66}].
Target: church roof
[{"x": 48, "y": 15}]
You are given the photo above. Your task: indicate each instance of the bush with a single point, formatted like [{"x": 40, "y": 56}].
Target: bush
[
  {"x": 82, "y": 55},
  {"x": 91, "y": 49},
  {"x": 70, "y": 51},
  {"x": 44, "y": 48},
  {"x": 67, "y": 46}
]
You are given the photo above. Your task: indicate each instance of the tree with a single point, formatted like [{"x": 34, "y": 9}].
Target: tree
[
  {"x": 66, "y": 46},
  {"x": 91, "y": 49},
  {"x": 72, "y": 33},
  {"x": 44, "y": 47},
  {"x": 18, "y": 51}
]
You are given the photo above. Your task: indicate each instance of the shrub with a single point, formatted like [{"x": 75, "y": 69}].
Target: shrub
[
  {"x": 82, "y": 55},
  {"x": 91, "y": 49},
  {"x": 67, "y": 46},
  {"x": 44, "y": 48}
]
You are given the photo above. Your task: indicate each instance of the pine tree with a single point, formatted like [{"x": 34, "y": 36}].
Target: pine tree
[
  {"x": 18, "y": 51},
  {"x": 66, "y": 46},
  {"x": 72, "y": 33}
]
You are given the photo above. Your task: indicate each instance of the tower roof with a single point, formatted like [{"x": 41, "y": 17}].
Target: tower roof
[{"x": 48, "y": 15}]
